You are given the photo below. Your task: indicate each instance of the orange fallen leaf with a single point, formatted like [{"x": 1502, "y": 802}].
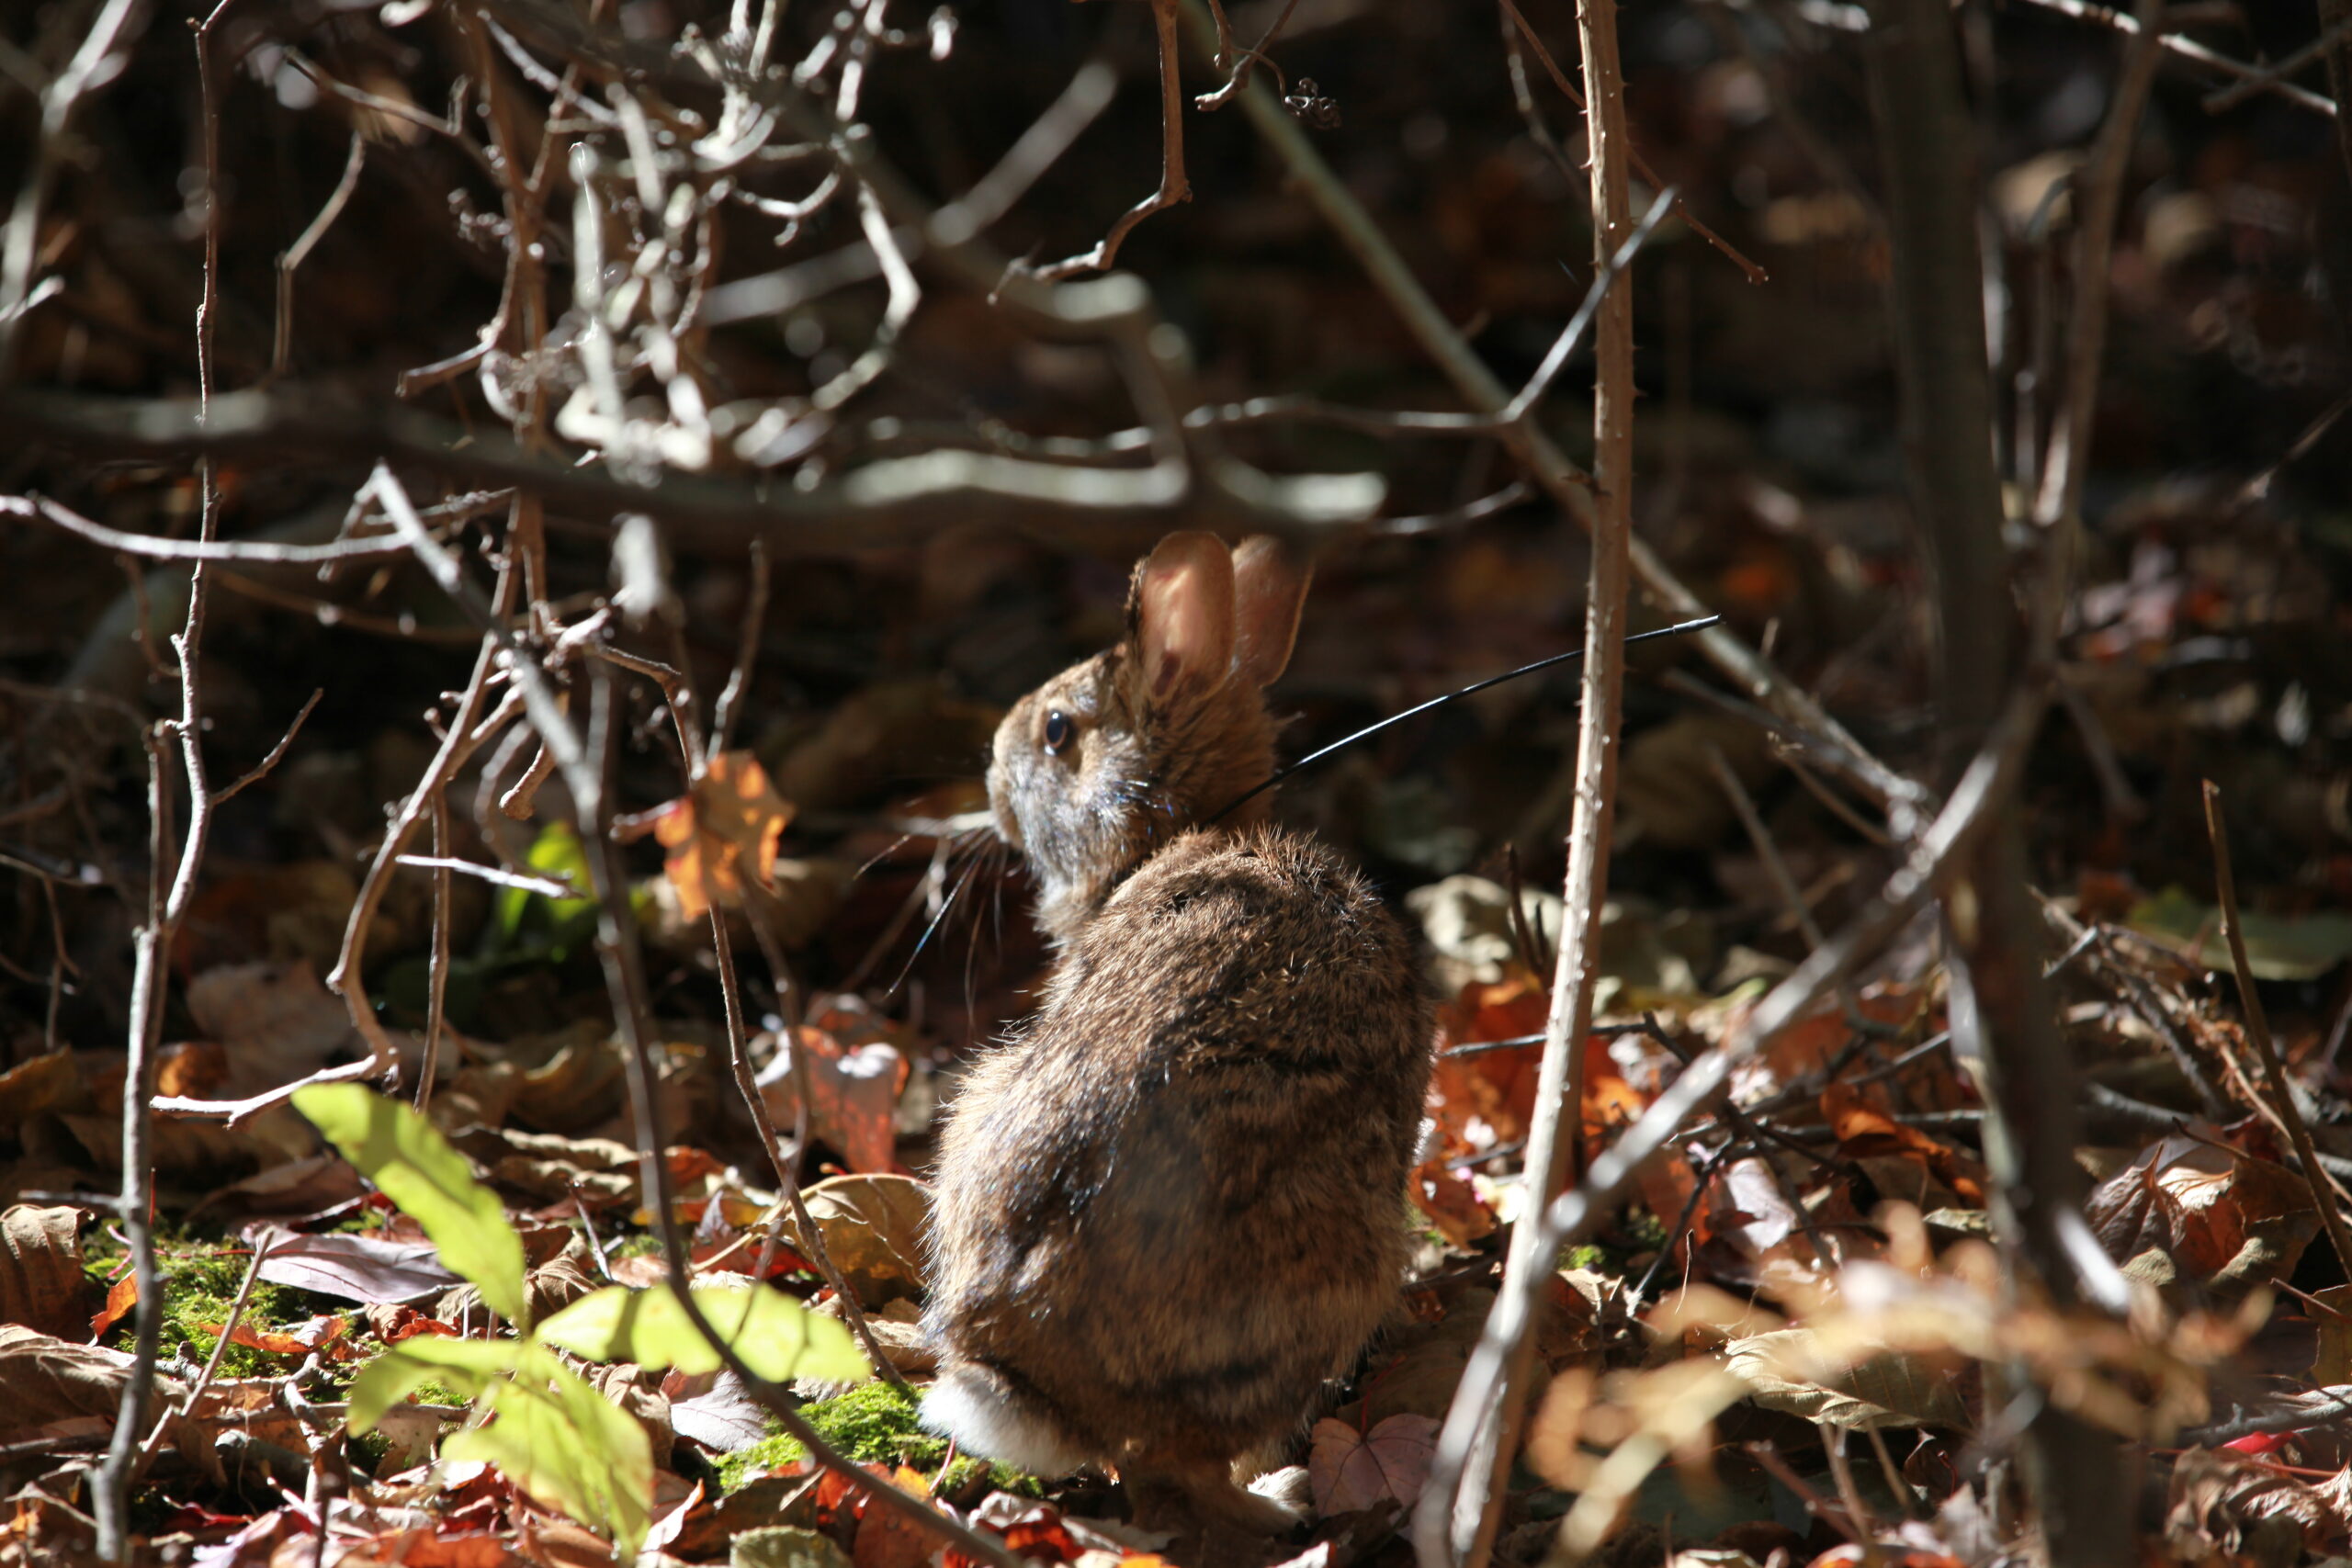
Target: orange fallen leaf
[
  {"x": 120, "y": 1299},
  {"x": 1867, "y": 1133},
  {"x": 720, "y": 834},
  {"x": 1450, "y": 1204}
]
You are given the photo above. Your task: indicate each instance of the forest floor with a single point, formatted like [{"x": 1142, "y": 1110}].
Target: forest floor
[{"x": 1799, "y": 1337}]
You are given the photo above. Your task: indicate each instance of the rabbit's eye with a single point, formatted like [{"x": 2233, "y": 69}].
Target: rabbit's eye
[{"x": 1059, "y": 732}]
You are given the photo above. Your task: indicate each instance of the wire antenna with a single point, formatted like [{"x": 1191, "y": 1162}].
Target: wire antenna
[{"x": 1680, "y": 628}]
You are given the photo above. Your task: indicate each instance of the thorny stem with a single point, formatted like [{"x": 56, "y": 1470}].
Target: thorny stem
[{"x": 1641, "y": 164}]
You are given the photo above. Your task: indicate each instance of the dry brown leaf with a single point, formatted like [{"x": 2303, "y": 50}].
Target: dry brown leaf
[
  {"x": 275, "y": 1023},
  {"x": 2191, "y": 1210},
  {"x": 53, "y": 1082},
  {"x": 1896, "y": 1389},
  {"x": 2227, "y": 1507},
  {"x": 874, "y": 1228},
  {"x": 50, "y": 1380},
  {"x": 121, "y": 1296},
  {"x": 1450, "y": 1204},
  {"x": 40, "y": 1270},
  {"x": 1903, "y": 1162}
]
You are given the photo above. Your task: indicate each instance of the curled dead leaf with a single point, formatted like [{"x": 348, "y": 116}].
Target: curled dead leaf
[
  {"x": 40, "y": 1268},
  {"x": 874, "y": 1228}
]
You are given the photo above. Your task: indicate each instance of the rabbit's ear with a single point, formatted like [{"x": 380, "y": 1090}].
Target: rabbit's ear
[
  {"x": 1181, "y": 615},
  {"x": 1269, "y": 591}
]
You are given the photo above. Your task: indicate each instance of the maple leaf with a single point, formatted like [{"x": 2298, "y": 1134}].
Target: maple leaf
[{"x": 721, "y": 833}]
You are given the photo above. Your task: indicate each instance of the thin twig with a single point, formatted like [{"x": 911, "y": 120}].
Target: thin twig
[
  {"x": 2261, "y": 77},
  {"x": 95, "y": 61},
  {"x": 1560, "y": 479},
  {"x": 1767, "y": 851},
  {"x": 586, "y": 765},
  {"x": 2288, "y": 1114},
  {"x": 437, "y": 980},
  {"x": 2099, "y": 194},
  {"x": 281, "y": 352},
  {"x": 212, "y": 1363},
  {"x": 738, "y": 1059},
  {"x": 747, "y": 656},
  {"x": 262, "y": 769},
  {"x": 1553, "y": 1156},
  {"x": 1173, "y": 187}
]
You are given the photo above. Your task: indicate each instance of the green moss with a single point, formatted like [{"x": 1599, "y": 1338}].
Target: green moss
[
  {"x": 873, "y": 1424},
  {"x": 432, "y": 1392},
  {"x": 367, "y": 1450},
  {"x": 200, "y": 1287},
  {"x": 1589, "y": 1257},
  {"x": 1646, "y": 1229}
]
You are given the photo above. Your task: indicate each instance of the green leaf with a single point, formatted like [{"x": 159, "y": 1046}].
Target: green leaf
[
  {"x": 2277, "y": 947},
  {"x": 562, "y": 1442},
  {"x": 558, "y": 854},
  {"x": 407, "y": 1156},
  {"x": 469, "y": 1366},
  {"x": 777, "y": 1338}
]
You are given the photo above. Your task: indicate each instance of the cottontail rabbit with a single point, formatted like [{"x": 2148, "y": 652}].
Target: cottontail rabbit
[{"x": 1173, "y": 1205}]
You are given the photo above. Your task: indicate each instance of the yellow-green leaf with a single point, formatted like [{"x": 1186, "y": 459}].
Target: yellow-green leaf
[
  {"x": 407, "y": 1156},
  {"x": 776, "y": 1336},
  {"x": 564, "y": 1444},
  {"x": 468, "y": 1366}
]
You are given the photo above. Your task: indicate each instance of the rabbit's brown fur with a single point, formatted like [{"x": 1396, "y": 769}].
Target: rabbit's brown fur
[{"x": 1173, "y": 1205}]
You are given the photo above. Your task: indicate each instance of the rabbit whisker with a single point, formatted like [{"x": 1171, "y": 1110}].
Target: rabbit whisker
[{"x": 963, "y": 880}]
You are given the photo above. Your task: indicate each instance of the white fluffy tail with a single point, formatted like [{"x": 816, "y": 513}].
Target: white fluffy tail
[{"x": 984, "y": 1417}]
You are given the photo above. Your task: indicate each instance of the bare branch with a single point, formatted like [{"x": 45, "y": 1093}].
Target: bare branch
[
  {"x": 282, "y": 349},
  {"x": 881, "y": 505},
  {"x": 2189, "y": 48},
  {"x": 103, "y": 51},
  {"x": 1173, "y": 187}
]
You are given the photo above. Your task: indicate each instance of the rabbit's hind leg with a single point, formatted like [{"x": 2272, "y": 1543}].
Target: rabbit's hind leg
[{"x": 988, "y": 1416}]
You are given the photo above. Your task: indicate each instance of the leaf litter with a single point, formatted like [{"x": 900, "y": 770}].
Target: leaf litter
[{"x": 1793, "y": 1340}]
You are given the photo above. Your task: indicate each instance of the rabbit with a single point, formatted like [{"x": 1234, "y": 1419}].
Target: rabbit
[{"x": 1171, "y": 1205}]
